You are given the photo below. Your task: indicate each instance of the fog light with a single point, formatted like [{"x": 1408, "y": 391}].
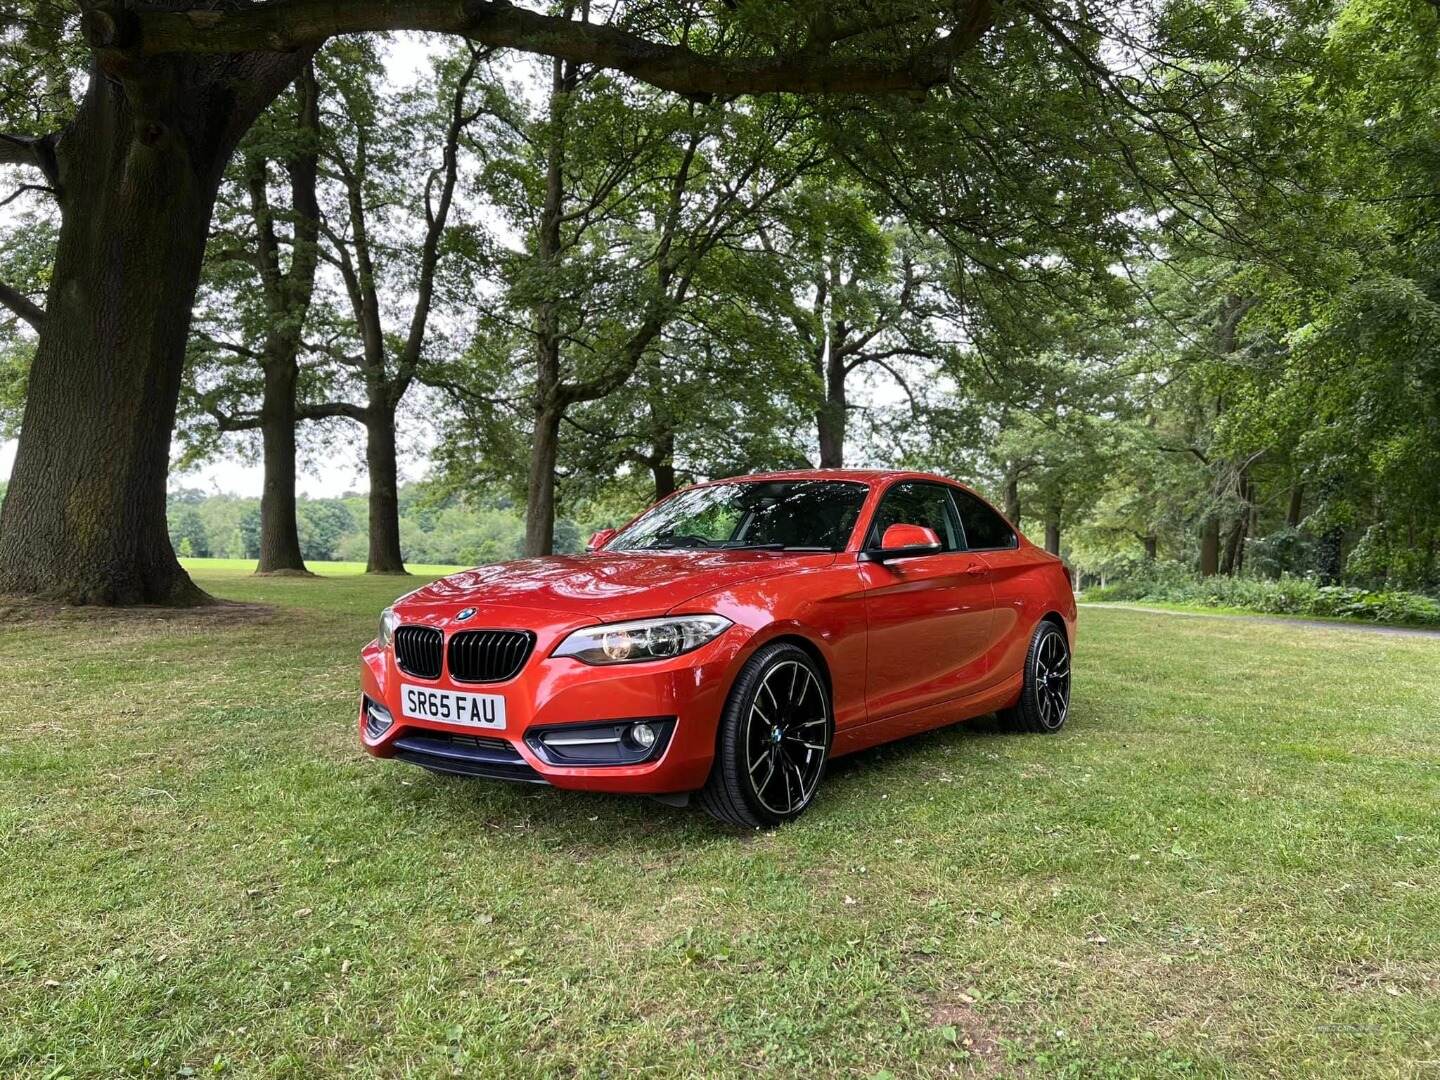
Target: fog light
[
  {"x": 377, "y": 719},
  {"x": 643, "y": 735}
]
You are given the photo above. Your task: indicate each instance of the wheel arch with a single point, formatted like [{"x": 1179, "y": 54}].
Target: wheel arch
[
  {"x": 812, "y": 650},
  {"x": 1059, "y": 622}
]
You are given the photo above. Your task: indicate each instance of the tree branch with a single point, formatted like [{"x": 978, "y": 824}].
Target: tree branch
[
  {"x": 22, "y": 306},
  {"x": 37, "y": 151},
  {"x": 234, "y": 421},
  {"x": 22, "y": 189},
  {"x": 330, "y": 409},
  {"x": 300, "y": 24}
]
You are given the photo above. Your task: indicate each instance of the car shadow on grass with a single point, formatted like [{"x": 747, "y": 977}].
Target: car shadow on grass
[{"x": 628, "y": 821}]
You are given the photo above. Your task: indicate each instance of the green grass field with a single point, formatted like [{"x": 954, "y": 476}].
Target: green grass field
[{"x": 1228, "y": 864}]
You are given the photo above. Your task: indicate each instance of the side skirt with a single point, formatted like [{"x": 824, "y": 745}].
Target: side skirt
[{"x": 991, "y": 699}]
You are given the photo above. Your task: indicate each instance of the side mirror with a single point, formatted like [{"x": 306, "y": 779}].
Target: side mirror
[
  {"x": 600, "y": 539},
  {"x": 905, "y": 541}
]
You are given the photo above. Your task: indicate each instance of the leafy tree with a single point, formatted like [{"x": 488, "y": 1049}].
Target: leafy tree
[
  {"x": 249, "y": 336},
  {"x": 137, "y": 170},
  {"x": 188, "y": 533},
  {"x": 382, "y": 147},
  {"x": 860, "y": 293},
  {"x": 621, "y": 198},
  {"x": 323, "y": 524}
]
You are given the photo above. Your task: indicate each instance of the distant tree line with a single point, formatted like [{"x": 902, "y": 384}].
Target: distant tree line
[{"x": 433, "y": 530}]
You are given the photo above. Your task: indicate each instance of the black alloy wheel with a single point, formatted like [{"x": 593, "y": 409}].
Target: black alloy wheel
[
  {"x": 774, "y": 740},
  {"x": 1044, "y": 703}
]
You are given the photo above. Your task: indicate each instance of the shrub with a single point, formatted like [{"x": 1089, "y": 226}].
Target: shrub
[{"x": 1285, "y": 595}]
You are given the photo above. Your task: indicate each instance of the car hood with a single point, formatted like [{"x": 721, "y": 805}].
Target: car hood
[{"x": 608, "y": 585}]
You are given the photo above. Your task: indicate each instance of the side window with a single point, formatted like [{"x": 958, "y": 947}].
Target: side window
[
  {"x": 984, "y": 528},
  {"x": 914, "y": 503}
]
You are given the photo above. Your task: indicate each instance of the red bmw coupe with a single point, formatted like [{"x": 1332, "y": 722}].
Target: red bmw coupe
[{"x": 727, "y": 643}]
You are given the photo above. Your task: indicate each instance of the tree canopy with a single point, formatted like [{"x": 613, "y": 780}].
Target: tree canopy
[{"x": 1159, "y": 278}]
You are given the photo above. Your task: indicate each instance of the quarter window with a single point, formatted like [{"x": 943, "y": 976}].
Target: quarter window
[{"x": 984, "y": 528}]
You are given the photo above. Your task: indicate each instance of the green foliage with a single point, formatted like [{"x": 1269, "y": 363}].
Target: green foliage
[
  {"x": 323, "y": 525},
  {"x": 1285, "y": 595}
]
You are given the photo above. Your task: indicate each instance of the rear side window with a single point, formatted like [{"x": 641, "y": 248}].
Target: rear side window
[
  {"x": 914, "y": 503},
  {"x": 984, "y": 528}
]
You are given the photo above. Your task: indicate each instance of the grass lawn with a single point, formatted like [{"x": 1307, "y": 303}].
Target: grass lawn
[{"x": 1228, "y": 864}]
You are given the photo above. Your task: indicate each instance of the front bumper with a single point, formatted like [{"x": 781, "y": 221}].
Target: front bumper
[{"x": 553, "y": 692}]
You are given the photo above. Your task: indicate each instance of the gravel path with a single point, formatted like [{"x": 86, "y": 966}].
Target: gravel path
[{"x": 1309, "y": 624}]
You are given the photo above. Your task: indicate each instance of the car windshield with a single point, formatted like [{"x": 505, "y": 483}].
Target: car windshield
[{"x": 777, "y": 515}]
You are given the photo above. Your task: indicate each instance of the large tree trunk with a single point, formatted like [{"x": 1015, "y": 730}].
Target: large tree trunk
[
  {"x": 540, "y": 501},
  {"x": 138, "y": 171},
  {"x": 1052, "y": 535},
  {"x": 1012, "y": 498},
  {"x": 663, "y": 465},
  {"x": 384, "y": 472},
  {"x": 830, "y": 418},
  {"x": 279, "y": 533},
  {"x": 1151, "y": 544},
  {"x": 290, "y": 294},
  {"x": 1294, "y": 514},
  {"x": 1210, "y": 546}
]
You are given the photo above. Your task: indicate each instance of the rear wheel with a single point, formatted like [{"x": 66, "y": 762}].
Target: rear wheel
[
  {"x": 1044, "y": 701},
  {"x": 773, "y": 743}
]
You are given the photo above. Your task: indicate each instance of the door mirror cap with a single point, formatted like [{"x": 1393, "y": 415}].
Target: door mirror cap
[
  {"x": 600, "y": 539},
  {"x": 905, "y": 541}
]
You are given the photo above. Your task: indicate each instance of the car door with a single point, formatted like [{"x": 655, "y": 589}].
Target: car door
[
  {"x": 929, "y": 615},
  {"x": 1012, "y": 574}
]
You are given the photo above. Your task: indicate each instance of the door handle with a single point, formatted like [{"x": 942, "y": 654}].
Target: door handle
[{"x": 976, "y": 571}]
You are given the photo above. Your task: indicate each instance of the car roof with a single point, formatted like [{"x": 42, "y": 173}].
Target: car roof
[{"x": 862, "y": 476}]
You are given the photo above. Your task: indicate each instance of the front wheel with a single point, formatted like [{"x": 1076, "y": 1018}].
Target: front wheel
[
  {"x": 773, "y": 743},
  {"x": 1044, "y": 701}
]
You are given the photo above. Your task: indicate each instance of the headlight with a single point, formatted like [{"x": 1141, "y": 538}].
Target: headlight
[
  {"x": 642, "y": 639},
  {"x": 388, "y": 621}
]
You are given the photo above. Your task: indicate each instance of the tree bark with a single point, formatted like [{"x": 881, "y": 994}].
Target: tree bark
[
  {"x": 279, "y": 532},
  {"x": 1230, "y": 557},
  {"x": 1151, "y": 543},
  {"x": 540, "y": 499},
  {"x": 380, "y": 462},
  {"x": 138, "y": 171},
  {"x": 1210, "y": 546},
  {"x": 549, "y": 405},
  {"x": 1294, "y": 514},
  {"x": 1234, "y": 555},
  {"x": 662, "y": 466},
  {"x": 1052, "y": 535},
  {"x": 830, "y": 419},
  {"x": 1330, "y": 551},
  {"x": 1012, "y": 498}
]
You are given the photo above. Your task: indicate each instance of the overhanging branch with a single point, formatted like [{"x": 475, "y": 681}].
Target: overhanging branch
[
  {"x": 22, "y": 305},
  {"x": 300, "y": 24}
]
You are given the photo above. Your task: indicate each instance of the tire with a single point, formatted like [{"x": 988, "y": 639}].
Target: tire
[
  {"x": 1044, "y": 703},
  {"x": 777, "y": 726}
]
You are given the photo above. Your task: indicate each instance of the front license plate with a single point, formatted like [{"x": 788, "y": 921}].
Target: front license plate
[{"x": 452, "y": 707}]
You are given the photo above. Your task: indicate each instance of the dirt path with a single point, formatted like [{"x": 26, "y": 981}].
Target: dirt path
[{"x": 1308, "y": 624}]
